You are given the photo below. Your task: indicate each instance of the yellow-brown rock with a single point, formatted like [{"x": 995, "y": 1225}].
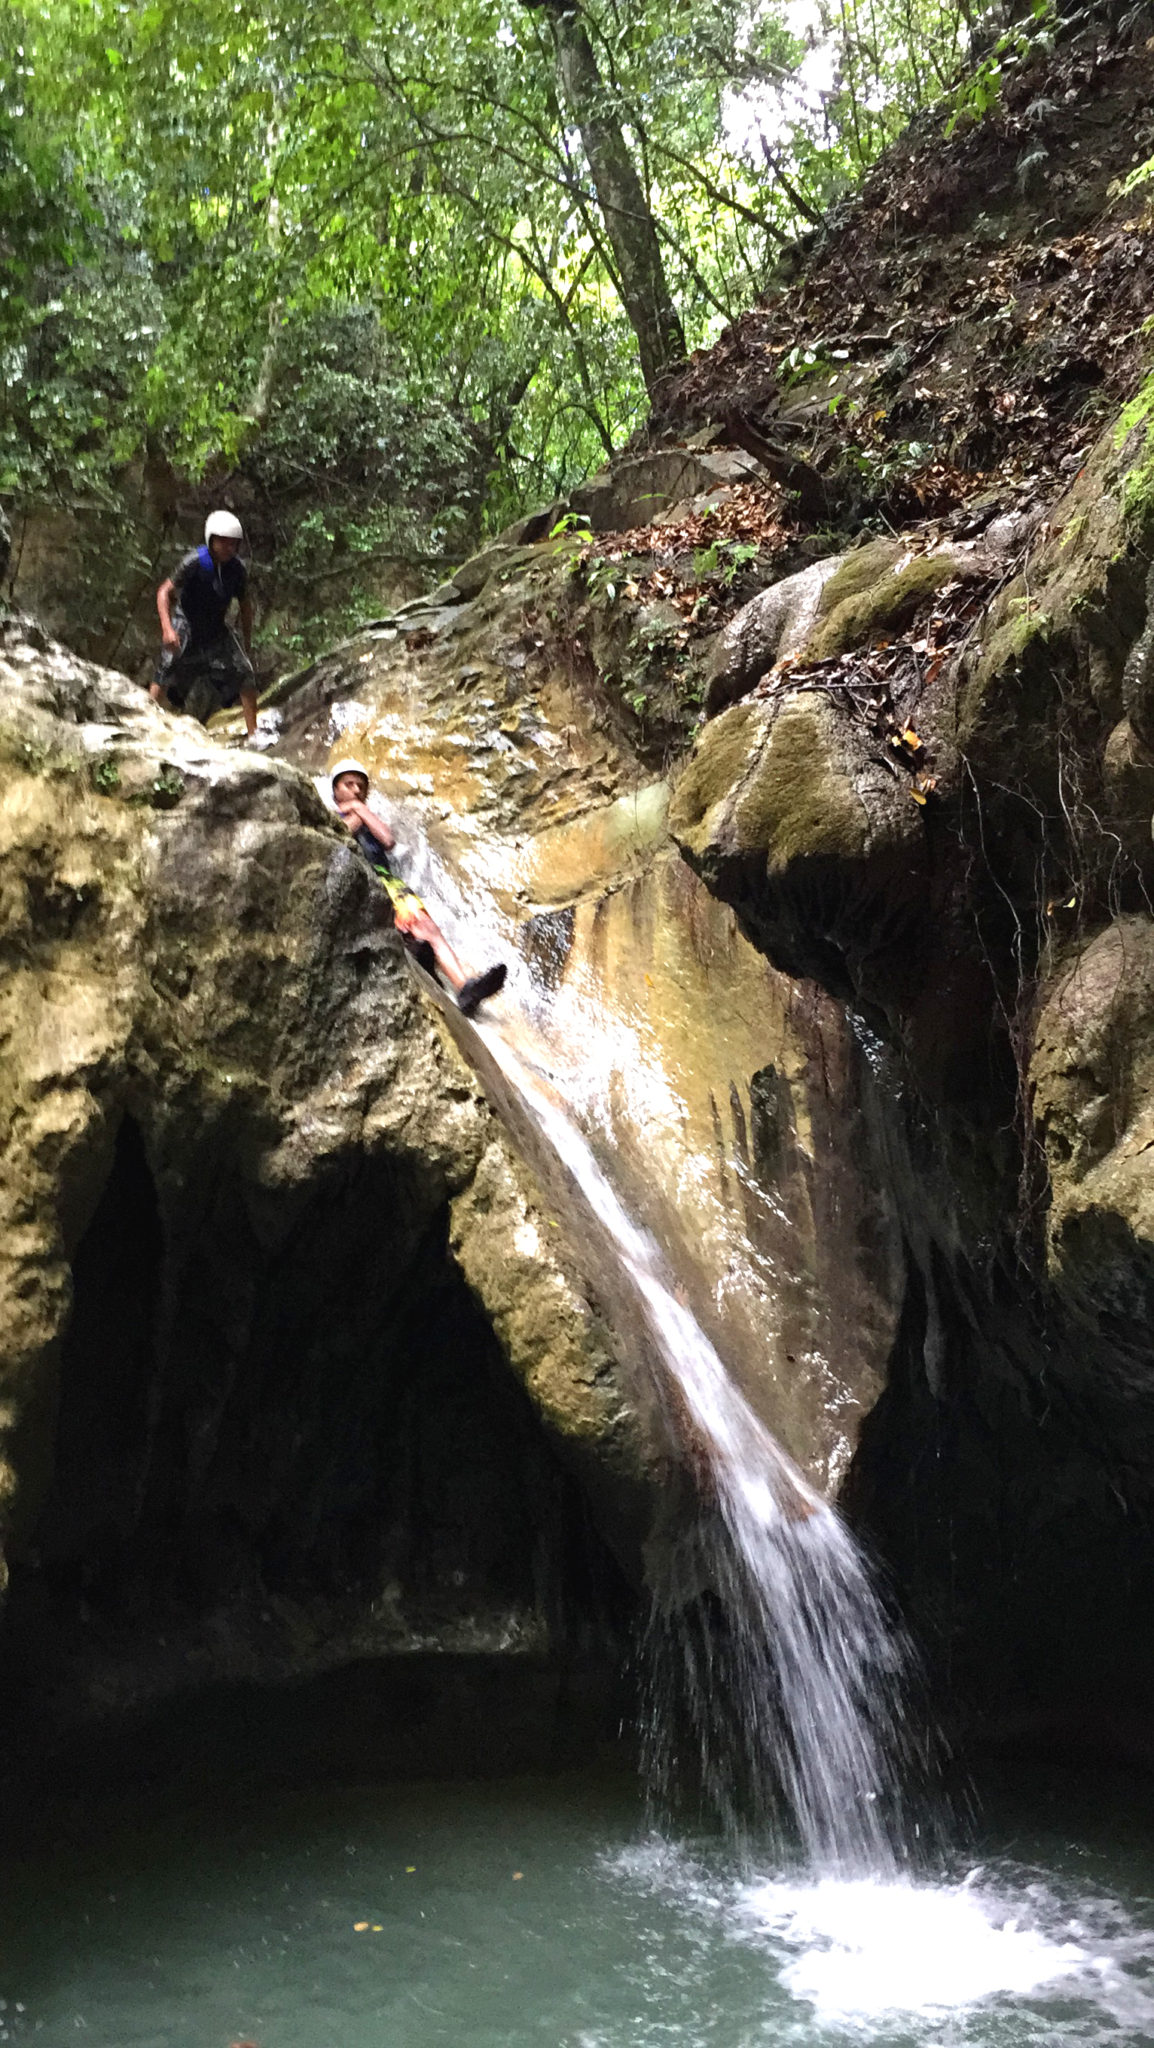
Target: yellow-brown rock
[{"x": 236, "y": 1135}]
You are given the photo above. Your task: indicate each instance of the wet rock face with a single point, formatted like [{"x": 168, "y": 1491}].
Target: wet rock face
[
  {"x": 724, "y": 1096},
  {"x": 994, "y": 945},
  {"x": 258, "y": 1416},
  {"x": 1092, "y": 1079}
]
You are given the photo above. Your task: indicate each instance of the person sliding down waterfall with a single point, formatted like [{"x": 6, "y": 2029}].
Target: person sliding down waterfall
[
  {"x": 350, "y": 787},
  {"x": 200, "y": 648}
]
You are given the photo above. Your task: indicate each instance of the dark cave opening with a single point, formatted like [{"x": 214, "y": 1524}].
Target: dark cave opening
[
  {"x": 289, "y": 1448},
  {"x": 102, "y": 1424}
]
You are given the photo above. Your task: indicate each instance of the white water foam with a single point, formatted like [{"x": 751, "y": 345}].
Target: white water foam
[
  {"x": 1006, "y": 1955},
  {"x": 865, "y": 1950}
]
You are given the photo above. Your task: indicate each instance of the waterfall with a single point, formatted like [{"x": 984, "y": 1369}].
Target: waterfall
[
  {"x": 771, "y": 1648},
  {"x": 802, "y": 1686}
]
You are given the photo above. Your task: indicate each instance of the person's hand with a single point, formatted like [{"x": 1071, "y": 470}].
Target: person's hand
[
  {"x": 171, "y": 639},
  {"x": 361, "y": 815}
]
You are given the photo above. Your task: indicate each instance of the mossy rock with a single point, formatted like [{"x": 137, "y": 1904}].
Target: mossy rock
[
  {"x": 502, "y": 560},
  {"x": 1083, "y": 591},
  {"x": 718, "y": 762},
  {"x": 1092, "y": 1088},
  {"x": 765, "y": 779},
  {"x": 858, "y": 571},
  {"x": 860, "y": 603},
  {"x": 1135, "y": 430},
  {"x": 798, "y": 804}
]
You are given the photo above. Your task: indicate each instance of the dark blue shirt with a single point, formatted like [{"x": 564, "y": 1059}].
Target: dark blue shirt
[
  {"x": 204, "y": 591},
  {"x": 372, "y": 848}
]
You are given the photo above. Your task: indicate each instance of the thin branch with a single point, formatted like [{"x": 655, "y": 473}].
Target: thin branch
[
  {"x": 714, "y": 191},
  {"x": 797, "y": 201},
  {"x": 790, "y": 470}
]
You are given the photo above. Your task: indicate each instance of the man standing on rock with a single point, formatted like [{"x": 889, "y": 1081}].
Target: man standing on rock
[{"x": 201, "y": 656}]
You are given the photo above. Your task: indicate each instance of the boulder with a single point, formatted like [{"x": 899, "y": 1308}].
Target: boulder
[
  {"x": 787, "y": 811},
  {"x": 292, "y": 1358},
  {"x": 637, "y": 487},
  {"x": 773, "y": 624},
  {"x": 1092, "y": 1088}
]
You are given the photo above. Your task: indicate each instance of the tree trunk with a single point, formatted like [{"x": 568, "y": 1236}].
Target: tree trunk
[{"x": 625, "y": 210}]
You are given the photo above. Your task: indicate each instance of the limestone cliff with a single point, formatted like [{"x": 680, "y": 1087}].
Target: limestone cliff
[
  {"x": 909, "y": 751},
  {"x": 820, "y": 840},
  {"x": 724, "y": 1096},
  {"x": 296, "y": 1372},
  {"x": 933, "y": 794}
]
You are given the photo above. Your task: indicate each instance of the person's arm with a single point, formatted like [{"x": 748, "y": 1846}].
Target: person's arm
[
  {"x": 168, "y": 632},
  {"x": 356, "y": 813},
  {"x": 247, "y": 696}
]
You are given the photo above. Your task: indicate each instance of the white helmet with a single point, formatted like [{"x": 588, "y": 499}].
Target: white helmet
[
  {"x": 225, "y": 525},
  {"x": 349, "y": 767}
]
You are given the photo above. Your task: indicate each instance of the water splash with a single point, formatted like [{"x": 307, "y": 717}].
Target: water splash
[
  {"x": 1006, "y": 1952},
  {"x": 860, "y": 1950}
]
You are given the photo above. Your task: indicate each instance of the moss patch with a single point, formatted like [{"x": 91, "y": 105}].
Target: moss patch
[
  {"x": 1137, "y": 420},
  {"x": 887, "y": 600},
  {"x": 798, "y": 804},
  {"x": 717, "y": 764},
  {"x": 858, "y": 572},
  {"x": 1139, "y": 413}
]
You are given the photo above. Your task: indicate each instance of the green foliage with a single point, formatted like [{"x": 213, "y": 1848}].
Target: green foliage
[
  {"x": 1142, "y": 174},
  {"x": 878, "y": 467},
  {"x": 602, "y": 579},
  {"x": 800, "y": 364},
  {"x": 355, "y": 256},
  {"x": 974, "y": 96},
  {"x": 166, "y": 789},
  {"x": 726, "y": 557}
]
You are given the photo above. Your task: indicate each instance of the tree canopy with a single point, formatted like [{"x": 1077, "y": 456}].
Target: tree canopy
[{"x": 406, "y": 268}]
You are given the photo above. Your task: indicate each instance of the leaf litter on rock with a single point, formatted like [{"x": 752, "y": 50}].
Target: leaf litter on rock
[{"x": 881, "y": 683}]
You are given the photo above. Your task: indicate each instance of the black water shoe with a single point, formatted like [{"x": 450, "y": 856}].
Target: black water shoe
[{"x": 474, "y": 992}]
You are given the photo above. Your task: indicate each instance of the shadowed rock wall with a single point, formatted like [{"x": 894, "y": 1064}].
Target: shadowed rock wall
[
  {"x": 991, "y": 937},
  {"x": 257, "y": 1424}
]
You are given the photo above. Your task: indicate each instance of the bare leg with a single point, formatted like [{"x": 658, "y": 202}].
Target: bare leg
[
  {"x": 159, "y": 695},
  {"x": 471, "y": 990},
  {"x": 248, "y": 706},
  {"x": 420, "y": 926}
]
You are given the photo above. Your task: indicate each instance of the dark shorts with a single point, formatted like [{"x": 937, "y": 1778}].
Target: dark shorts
[{"x": 213, "y": 672}]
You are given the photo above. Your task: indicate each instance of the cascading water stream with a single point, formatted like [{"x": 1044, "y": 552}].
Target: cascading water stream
[
  {"x": 799, "y": 1685},
  {"x": 812, "y": 1657}
]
